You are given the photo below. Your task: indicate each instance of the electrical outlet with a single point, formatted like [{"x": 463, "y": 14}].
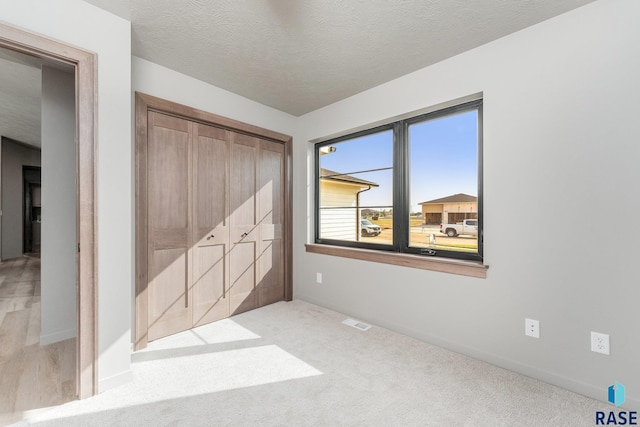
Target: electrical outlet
[
  {"x": 532, "y": 328},
  {"x": 599, "y": 342},
  {"x": 318, "y": 277}
]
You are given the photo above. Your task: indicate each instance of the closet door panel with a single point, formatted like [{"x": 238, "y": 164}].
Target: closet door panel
[
  {"x": 243, "y": 277},
  {"x": 271, "y": 210},
  {"x": 210, "y": 285},
  {"x": 270, "y": 283},
  {"x": 210, "y": 292},
  {"x": 243, "y": 182},
  {"x": 243, "y": 225},
  {"x": 168, "y": 307},
  {"x": 168, "y": 225}
]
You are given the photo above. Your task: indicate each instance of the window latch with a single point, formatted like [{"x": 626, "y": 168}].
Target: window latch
[{"x": 431, "y": 252}]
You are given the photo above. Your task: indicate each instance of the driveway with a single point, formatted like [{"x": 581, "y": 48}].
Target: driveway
[{"x": 420, "y": 238}]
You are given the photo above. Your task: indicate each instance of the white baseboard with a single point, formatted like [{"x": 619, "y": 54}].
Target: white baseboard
[
  {"x": 57, "y": 336},
  {"x": 114, "y": 381},
  {"x": 571, "y": 384}
]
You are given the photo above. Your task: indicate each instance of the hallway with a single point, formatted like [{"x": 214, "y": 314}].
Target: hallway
[{"x": 31, "y": 376}]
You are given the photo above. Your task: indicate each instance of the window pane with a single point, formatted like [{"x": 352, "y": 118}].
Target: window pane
[
  {"x": 443, "y": 183},
  {"x": 356, "y": 189}
]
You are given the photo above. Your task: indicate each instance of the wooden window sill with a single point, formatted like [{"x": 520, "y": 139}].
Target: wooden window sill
[{"x": 443, "y": 265}]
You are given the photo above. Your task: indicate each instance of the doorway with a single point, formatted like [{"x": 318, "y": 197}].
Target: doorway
[
  {"x": 83, "y": 64},
  {"x": 32, "y": 210},
  {"x": 37, "y": 294}
]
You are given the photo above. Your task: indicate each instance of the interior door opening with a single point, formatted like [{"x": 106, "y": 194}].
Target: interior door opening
[
  {"x": 77, "y": 70},
  {"x": 32, "y": 203},
  {"x": 38, "y": 287}
]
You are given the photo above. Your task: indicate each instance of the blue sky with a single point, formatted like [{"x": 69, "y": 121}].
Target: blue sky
[{"x": 443, "y": 160}]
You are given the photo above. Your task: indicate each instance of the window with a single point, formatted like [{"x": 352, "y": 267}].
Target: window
[{"x": 412, "y": 186}]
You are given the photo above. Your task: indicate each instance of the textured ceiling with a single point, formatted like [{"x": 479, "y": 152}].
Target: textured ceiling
[
  {"x": 21, "y": 95},
  {"x": 293, "y": 55},
  {"x": 300, "y": 55},
  {"x": 20, "y": 92}
]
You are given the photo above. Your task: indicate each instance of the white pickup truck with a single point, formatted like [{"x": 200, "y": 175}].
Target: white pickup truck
[{"x": 467, "y": 227}]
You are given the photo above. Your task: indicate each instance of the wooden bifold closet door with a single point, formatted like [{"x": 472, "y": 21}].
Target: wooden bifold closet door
[{"x": 215, "y": 223}]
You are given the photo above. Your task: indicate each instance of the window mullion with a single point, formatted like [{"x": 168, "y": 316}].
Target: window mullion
[
  {"x": 400, "y": 227},
  {"x": 316, "y": 156},
  {"x": 480, "y": 181}
]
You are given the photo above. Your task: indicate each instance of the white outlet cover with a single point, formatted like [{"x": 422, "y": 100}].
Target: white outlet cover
[
  {"x": 532, "y": 328},
  {"x": 318, "y": 277},
  {"x": 600, "y": 342}
]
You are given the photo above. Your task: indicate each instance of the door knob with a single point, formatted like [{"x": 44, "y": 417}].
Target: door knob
[{"x": 211, "y": 237}]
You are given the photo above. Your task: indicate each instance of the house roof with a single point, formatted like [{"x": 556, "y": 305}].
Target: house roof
[
  {"x": 337, "y": 176},
  {"x": 455, "y": 198}
]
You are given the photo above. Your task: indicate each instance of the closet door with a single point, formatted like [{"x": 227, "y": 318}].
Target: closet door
[
  {"x": 215, "y": 203},
  {"x": 271, "y": 218},
  {"x": 243, "y": 223},
  {"x": 169, "y": 225},
  {"x": 210, "y": 287}
]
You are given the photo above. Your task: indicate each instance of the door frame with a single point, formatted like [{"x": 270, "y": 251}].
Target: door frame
[
  {"x": 146, "y": 103},
  {"x": 27, "y": 205},
  {"x": 85, "y": 64}
]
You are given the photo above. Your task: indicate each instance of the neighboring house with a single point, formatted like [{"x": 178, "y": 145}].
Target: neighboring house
[
  {"x": 339, "y": 204},
  {"x": 450, "y": 209}
]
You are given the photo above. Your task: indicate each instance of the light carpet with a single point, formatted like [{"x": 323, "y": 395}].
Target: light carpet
[{"x": 296, "y": 364}]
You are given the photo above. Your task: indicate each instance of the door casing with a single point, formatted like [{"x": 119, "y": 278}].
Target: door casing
[
  {"x": 85, "y": 64},
  {"x": 146, "y": 103}
]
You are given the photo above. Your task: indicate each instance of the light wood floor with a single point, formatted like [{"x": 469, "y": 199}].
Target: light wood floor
[{"x": 31, "y": 376}]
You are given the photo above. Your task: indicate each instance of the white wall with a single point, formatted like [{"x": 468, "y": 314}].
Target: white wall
[
  {"x": 14, "y": 156},
  {"x": 153, "y": 79},
  {"x": 561, "y": 107},
  {"x": 58, "y": 250},
  {"x": 85, "y": 26},
  {"x": 561, "y": 103}
]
